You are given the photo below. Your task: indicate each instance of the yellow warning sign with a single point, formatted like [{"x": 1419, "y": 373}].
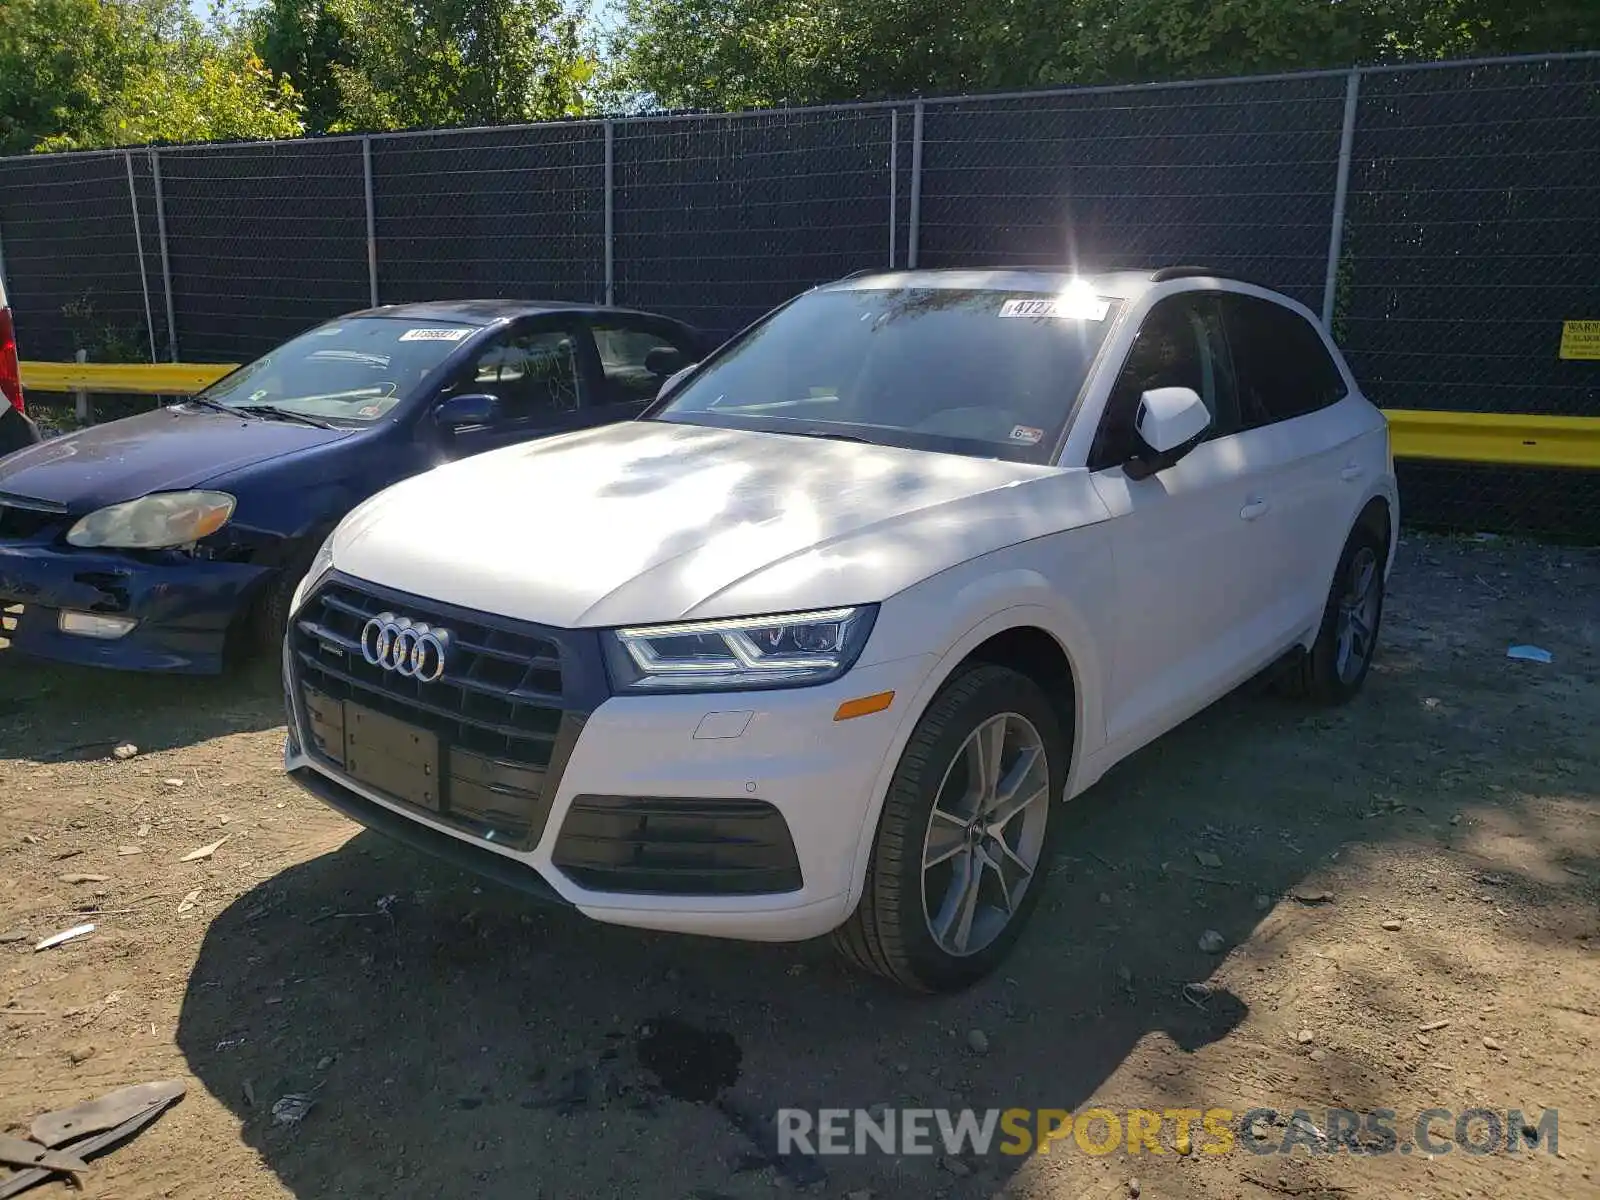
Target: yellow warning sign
[{"x": 1581, "y": 340}]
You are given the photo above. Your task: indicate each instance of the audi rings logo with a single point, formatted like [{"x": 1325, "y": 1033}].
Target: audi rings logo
[{"x": 411, "y": 651}]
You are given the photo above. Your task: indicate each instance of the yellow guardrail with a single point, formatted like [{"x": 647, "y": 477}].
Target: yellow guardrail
[
  {"x": 1494, "y": 438},
  {"x": 1503, "y": 439},
  {"x": 146, "y": 379}
]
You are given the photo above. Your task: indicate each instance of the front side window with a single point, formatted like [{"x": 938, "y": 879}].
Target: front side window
[
  {"x": 981, "y": 372},
  {"x": 1180, "y": 344},
  {"x": 1285, "y": 370},
  {"x": 352, "y": 370},
  {"x": 530, "y": 375}
]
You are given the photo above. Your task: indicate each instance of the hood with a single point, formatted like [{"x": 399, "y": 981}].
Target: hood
[
  {"x": 161, "y": 451},
  {"x": 648, "y": 521}
]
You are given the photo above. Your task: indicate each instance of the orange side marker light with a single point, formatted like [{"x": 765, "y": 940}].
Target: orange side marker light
[{"x": 863, "y": 706}]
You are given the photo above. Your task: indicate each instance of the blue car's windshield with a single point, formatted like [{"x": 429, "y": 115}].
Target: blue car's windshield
[
  {"x": 347, "y": 371},
  {"x": 984, "y": 372}
]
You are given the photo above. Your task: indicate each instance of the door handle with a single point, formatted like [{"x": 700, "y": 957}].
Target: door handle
[
  {"x": 1352, "y": 471},
  {"x": 1253, "y": 508}
]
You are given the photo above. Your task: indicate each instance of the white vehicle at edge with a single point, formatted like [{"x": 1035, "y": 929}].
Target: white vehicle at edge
[{"x": 820, "y": 642}]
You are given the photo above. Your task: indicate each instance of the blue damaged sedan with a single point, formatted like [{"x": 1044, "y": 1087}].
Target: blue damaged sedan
[{"x": 172, "y": 540}]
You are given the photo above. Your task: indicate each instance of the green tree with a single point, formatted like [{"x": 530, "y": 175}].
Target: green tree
[
  {"x": 723, "y": 54},
  {"x": 61, "y": 61},
  {"x": 396, "y": 64},
  {"x": 133, "y": 72}
]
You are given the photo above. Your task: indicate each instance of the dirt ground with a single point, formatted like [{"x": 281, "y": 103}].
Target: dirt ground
[{"x": 1429, "y": 854}]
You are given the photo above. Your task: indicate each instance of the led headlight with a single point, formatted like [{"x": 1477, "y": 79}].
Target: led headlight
[
  {"x": 789, "y": 650},
  {"x": 320, "y": 566},
  {"x": 154, "y": 522}
]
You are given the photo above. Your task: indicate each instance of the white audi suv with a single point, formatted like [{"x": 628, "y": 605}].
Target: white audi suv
[{"x": 821, "y": 642}]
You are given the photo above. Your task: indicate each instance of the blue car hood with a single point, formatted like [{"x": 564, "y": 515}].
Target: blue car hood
[{"x": 161, "y": 451}]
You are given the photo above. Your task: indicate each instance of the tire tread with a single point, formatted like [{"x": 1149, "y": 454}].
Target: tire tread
[{"x": 873, "y": 937}]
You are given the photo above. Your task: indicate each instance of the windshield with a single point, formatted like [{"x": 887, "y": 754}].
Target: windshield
[
  {"x": 986, "y": 373},
  {"x": 353, "y": 370}
]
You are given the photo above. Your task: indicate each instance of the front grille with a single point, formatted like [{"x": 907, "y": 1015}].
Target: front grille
[
  {"x": 19, "y": 523},
  {"x": 500, "y": 694},
  {"x": 503, "y": 717}
]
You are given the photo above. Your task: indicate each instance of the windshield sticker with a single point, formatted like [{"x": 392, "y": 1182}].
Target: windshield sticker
[
  {"x": 434, "y": 335},
  {"x": 328, "y": 330},
  {"x": 1066, "y": 308},
  {"x": 1026, "y": 434}
]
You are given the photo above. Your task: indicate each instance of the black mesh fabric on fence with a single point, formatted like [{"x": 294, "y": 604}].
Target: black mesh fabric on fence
[
  {"x": 71, "y": 262},
  {"x": 509, "y": 213},
  {"x": 264, "y": 241},
  {"x": 718, "y": 219},
  {"x": 1235, "y": 176},
  {"x": 1472, "y": 232},
  {"x": 1468, "y": 237}
]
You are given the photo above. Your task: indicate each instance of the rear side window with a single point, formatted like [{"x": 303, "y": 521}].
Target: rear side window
[
  {"x": 636, "y": 360},
  {"x": 1284, "y": 368}
]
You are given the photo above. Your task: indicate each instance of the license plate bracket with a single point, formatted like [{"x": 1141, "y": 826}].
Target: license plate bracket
[{"x": 398, "y": 759}]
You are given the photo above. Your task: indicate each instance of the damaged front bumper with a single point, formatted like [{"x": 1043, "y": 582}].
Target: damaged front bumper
[{"x": 164, "y": 615}]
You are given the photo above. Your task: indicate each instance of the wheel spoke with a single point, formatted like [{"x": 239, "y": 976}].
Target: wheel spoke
[
  {"x": 1000, "y": 815},
  {"x": 953, "y": 926},
  {"x": 988, "y": 746},
  {"x": 1364, "y": 578},
  {"x": 947, "y": 837},
  {"x": 1342, "y": 653},
  {"x": 1013, "y": 874},
  {"x": 1360, "y": 636},
  {"x": 1026, "y": 781}
]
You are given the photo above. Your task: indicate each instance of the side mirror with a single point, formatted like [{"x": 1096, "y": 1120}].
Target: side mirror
[
  {"x": 1170, "y": 423},
  {"x": 674, "y": 381},
  {"x": 474, "y": 408}
]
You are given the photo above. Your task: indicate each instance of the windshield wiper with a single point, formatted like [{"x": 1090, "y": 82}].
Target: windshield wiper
[
  {"x": 832, "y": 437},
  {"x": 282, "y": 414},
  {"x": 203, "y": 402}
]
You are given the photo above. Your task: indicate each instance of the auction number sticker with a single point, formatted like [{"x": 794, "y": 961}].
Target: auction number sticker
[
  {"x": 434, "y": 335},
  {"x": 1066, "y": 308}
]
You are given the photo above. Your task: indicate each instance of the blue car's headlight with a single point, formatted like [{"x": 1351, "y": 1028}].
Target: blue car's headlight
[
  {"x": 154, "y": 522},
  {"x": 787, "y": 650}
]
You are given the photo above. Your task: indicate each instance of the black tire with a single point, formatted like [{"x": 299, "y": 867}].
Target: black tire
[
  {"x": 1318, "y": 677},
  {"x": 269, "y": 619},
  {"x": 888, "y": 933}
]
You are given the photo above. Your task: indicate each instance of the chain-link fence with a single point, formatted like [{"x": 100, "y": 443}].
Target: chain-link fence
[{"x": 1441, "y": 217}]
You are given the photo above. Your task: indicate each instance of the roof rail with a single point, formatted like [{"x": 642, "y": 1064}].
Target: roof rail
[{"x": 1162, "y": 274}]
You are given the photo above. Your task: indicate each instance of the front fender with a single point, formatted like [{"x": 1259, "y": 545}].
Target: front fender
[{"x": 975, "y": 602}]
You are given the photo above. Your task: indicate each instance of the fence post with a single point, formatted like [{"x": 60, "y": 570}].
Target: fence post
[
  {"x": 138, "y": 245},
  {"x": 914, "y": 234},
  {"x": 166, "y": 262},
  {"x": 1341, "y": 184},
  {"x": 611, "y": 266},
  {"x": 894, "y": 171},
  {"x": 372, "y": 222},
  {"x": 80, "y": 396}
]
